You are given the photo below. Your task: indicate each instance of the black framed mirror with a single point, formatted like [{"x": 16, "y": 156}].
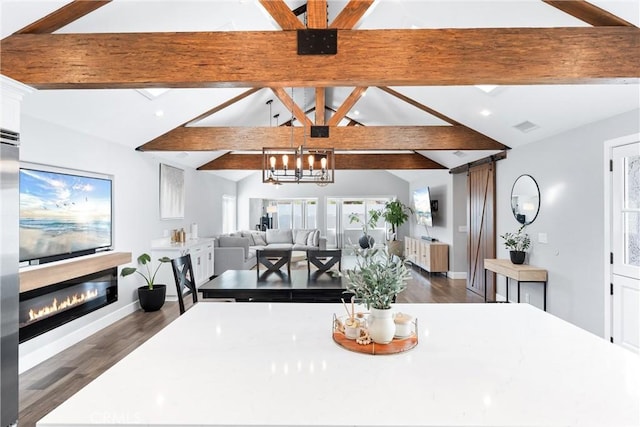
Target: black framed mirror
[{"x": 525, "y": 199}]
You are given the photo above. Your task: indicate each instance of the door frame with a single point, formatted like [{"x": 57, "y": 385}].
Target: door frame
[{"x": 609, "y": 145}]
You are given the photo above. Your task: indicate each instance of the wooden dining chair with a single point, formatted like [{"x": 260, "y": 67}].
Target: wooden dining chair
[
  {"x": 273, "y": 260},
  {"x": 324, "y": 260},
  {"x": 185, "y": 280}
]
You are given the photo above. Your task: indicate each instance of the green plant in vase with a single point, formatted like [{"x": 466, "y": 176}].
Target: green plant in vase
[{"x": 517, "y": 243}]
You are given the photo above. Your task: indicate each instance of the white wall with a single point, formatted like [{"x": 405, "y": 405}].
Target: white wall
[
  {"x": 347, "y": 184},
  {"x": 136, "y": 213},
  {"x": 569, "y": 172}
]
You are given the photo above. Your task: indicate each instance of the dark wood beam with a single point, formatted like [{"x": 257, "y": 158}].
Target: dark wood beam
[
  {"x": 320, "y": 104},
  {"x": 63, "y": 16},
  {"x": 284, "y": 97},
  {"x": 316, "y": 13},
  {"x": 589, "y": 13},
  {"x": 351, "y": 14},
  {"x": 231, "y": 161},
  {"x": 340, "y": 138},
  {"x": 518, "y": 56},
  {"x": 348, "y": 103},
  {"x": 418, "y": 105},
  {"x": 223, "y": 105},
  {"x": 281, "y": 13}
]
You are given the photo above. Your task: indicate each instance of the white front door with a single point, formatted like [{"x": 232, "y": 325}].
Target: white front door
[{"x": 625, "y": 245}]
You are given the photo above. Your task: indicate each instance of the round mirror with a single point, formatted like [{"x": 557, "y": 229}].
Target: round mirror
[{"x": 525, "y": 199}]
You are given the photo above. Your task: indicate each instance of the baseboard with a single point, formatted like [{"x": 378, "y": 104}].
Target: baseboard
[
  {"x": 28, "y": 361},
  {"x": 457, "y": 274}
]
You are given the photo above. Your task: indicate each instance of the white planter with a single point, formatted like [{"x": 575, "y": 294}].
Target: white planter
[{"x": 381, "y": 326}]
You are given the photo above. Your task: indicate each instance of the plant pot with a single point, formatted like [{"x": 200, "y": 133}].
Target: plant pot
[
  {"x": 381, "y": 326},
  {"x": 517, "y": 257},
  {"x": 395, "y": 247},
  {"x": 152, "y": 299},
  {"x": 366, "y": 241}
]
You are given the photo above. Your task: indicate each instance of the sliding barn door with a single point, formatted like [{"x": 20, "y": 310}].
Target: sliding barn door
[{"x": 481, "y": 222}]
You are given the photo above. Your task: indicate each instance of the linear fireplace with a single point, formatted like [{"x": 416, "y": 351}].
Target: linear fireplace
[{"x": 48, "y": 307}]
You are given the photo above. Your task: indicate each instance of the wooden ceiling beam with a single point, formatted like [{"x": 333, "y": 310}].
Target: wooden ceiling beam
[
  {"x": 316, "y": 13},
  {"x": 589, "y": 13},
  {"x": 281, "y": 13},
  {"x": 223, "y": 105},
  {"x": 348, "y": 103},
  {"x": 503, "y": 56},
  {"x": 62, "y": 16},
  {"x": 419, "y": 105},
  {"x": 351, "y": 14},
  {"x": 284, "y": 97},
  {"x": 320, "y": 105},
  {"x": 231, "y": 161},
  {"x": 340, "y": 138}
]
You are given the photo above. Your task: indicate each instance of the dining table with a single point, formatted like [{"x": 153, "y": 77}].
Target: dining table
[{"x": 279, "y": 364}]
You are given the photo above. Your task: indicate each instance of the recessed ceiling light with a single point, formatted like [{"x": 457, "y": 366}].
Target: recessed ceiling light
[
  {"x": 159, "y": 113},
  {"x": 357, "y": 112},
  {"x": 485, "y": 113}
]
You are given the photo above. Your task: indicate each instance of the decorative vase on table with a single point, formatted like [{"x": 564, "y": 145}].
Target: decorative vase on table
[
  {"x": 381, "y": 326},
  {"x": 517, "y": 257}
]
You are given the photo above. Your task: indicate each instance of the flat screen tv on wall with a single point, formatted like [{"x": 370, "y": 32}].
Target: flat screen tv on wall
[
  {"x": 63, "y": 214},
  {"x": 422, "y": 207}
]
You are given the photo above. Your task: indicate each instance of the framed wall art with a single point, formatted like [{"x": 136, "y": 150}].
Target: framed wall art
[{"x": 171, "y": 192}]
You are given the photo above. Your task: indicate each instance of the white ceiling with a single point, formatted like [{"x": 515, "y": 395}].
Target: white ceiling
[{"x": 127, "y": 117}]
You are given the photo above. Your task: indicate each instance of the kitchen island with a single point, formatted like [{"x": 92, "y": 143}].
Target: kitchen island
[{"x": 276, "y": 364}]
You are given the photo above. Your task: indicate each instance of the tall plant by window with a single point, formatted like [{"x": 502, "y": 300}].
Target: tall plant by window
[{"x": 396, "y": 213}]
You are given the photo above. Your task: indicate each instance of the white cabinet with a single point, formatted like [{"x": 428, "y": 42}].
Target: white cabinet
[{"x": 201, "y": 251}]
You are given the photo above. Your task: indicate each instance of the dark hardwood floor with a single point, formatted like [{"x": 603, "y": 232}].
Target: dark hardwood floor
[{"x": 47, "y": 385}]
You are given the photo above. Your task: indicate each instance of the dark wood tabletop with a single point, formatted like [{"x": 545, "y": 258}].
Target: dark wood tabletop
[{"x": 244, "y": 285}]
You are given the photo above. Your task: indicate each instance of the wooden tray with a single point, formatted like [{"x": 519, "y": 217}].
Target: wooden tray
[{"x": 397, "y": 345}]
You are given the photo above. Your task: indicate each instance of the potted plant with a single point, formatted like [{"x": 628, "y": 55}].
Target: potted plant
[
  {"x": 395, "y": 213},
  {"x": 151, "y": 295},
  {"x": 376, "y": 281},
  {"x": 366, "y": 241},
  {"x": 517, "y": 243}
]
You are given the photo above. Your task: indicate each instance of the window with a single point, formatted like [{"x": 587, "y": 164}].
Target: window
[
  {"x": 228, "y": 214},
  {"x": 295, "y": 213}
]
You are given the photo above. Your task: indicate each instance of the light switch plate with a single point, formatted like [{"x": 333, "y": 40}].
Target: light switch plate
[
  {"x": 462, "y": 229},
  {"x": 542, "y": 238}
]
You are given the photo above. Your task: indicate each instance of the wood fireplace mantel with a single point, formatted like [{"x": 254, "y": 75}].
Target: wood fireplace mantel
[{"x": 37, "y": 276}]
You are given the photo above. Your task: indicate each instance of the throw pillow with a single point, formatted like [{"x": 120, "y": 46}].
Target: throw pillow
[
  {"x": 316, "y": 238},
  {"x": 258, "y": 239},
  {"x": 301, "y": 237},
  {"x": 310, "y": 238}
]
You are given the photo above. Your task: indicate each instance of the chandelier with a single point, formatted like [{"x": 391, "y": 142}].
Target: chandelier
[{"x": 297, "y": 164}]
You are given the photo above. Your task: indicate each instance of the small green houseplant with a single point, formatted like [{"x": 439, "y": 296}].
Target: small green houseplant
[
  {"x": 376, "y": 281},
  {"x": 151, "y": 295},
  {"x": 366, "y": 241},
  {"x": 395, "y": 213},
  {"x": 517, "y": 243}
]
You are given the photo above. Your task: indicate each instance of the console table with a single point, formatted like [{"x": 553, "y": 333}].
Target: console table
[{"x": 518, "y": 272}]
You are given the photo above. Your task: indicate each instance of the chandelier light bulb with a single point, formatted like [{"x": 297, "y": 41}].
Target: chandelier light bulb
[
  {"x": 285, "y": 160},
  {"x": 323, "y": 162},
  {"x": 272, "y": 160},
  {"x": 311, "y": 161}
]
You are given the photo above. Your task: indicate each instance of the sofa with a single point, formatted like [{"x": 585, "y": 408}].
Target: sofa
[{"x": 237, "y": 251}]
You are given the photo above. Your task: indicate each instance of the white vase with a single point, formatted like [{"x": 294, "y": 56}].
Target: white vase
[{"x": 381, "y": 325}]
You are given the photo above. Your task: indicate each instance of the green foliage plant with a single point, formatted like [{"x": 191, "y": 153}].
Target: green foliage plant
[
  {"x": 518, "y": 241},
  {"x": 377, "y": 278},
  {"x": 145, "y": 260},
  {"x": 396, "y": 213}
]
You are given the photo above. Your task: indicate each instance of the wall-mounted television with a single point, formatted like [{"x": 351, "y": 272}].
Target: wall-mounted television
[
  {"x": 422, "y": 207},
  {"x": 63, "y": 214}
]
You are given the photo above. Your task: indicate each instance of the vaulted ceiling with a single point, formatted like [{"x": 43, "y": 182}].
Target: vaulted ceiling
[{"x": 402, "y": 92}]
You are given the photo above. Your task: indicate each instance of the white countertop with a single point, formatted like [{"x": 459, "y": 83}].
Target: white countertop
[{"x": 249, "y": 364}]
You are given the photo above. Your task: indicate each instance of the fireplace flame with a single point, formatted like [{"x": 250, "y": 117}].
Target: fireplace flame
[{"x": 56, "y": 306}]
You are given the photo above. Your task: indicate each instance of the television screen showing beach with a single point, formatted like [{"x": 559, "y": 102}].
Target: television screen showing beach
[{"x": 62, "y": 213}]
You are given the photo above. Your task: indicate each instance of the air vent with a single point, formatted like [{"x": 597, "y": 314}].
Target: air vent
[
  {"x": 459, "y": 153},
  {"x": 526, "y": 126},
  {"x": 9, "y": 136}
]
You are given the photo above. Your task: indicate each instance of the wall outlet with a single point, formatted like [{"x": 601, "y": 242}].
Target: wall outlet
[{"x": 542, "y": 238}]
